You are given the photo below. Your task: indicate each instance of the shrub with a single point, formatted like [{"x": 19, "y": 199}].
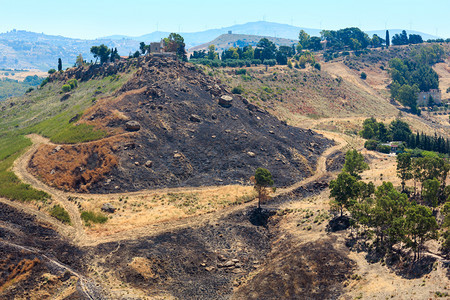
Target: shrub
[
  {"x": 384, "y": 149},
  {"x": 90, "y": 216},
  {"x": 237, "y": 90},
  {"x": 60, "y": 213},
  {"x": 270, "y": 62},
  {"x": 317, "y": 66},
  {"x": 66, "y": 88},
  {"x": 256, "y": 62},
  {"x": 289, "y": 64},
  {"x": 363, "y": 76},
  {"x": 51, "y": 71},
  {"x": 241, "y": 72},
  {"x": 371, "y": 145},
  {"x": 73, "y": 83}
]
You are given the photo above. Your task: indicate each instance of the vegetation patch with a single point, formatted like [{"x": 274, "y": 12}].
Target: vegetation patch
[
  {"x": 93, "y": 217},
  {"x": 58, "y": 212}
]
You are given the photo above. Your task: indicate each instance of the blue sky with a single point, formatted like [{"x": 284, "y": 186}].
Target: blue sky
[{"x": 97, "y": 18}]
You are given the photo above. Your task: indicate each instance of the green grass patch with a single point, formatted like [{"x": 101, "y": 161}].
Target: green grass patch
[
  {"x": 90, "y": 216},
  {"x": 59, "y": 213},
  {"x": 11, "y": 147}
]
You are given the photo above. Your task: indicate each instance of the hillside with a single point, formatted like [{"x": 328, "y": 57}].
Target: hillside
[
  {"x": 28, "y": 50},
  {"x": 226, "y": 41}
]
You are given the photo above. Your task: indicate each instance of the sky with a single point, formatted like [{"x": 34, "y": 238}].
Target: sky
[{"x": 89, "y": 19}]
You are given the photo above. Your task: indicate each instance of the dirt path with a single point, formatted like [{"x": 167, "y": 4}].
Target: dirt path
[{"x": 77, "y": 233}]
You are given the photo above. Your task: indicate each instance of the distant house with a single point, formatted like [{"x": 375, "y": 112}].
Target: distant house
[
  {"x": 157, "y": 47},
  {"x": 395, "y": 146},
  {"x": 424, "y": 98}
]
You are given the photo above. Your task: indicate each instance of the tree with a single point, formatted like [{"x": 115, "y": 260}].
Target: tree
[
  {"x": 59, "y": 64},
  {"x": 343, "y": 189},
  {"x": 175, "y": 43},
  {"x": 263, "y": 180},
  {"x": 79, "y": 61},
  {"x": 101, "y": 52},
  {"x": 430, "y": 191},
  {"x": 376, "y": 41},
  {"x": 303, "y": 40},
  {"x": 114, "y": 55},
  {"x": 400, "y": 130},
  {"x": 404, "y": 168},
  {"x": 268, "y": 49},
  {"x": 143, "y": 47},
  {"x": 354, "y": 163},
  {"x": 212, "y": 54},
  {"x": 407, "y": 95},
  {"x": 415, "y": 39},
  {"x": 420, "y": 226},
  {"x": 388, "y": 40},
  {"x": 400, "y": 39}
]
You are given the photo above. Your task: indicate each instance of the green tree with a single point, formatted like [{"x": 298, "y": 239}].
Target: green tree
[
  {"x": 143, "y": 47},
  {"x": 268, "y": 49},
  {"x": 212, "y": 54},
  {"x": 263, "y": 180},
  {"x": 354, "y": 163},
  {"x": 303, "y": 40},
  {"x": 388, "y": 39},
  {"x": 175, "y": 43},
  {"x": 420, "y": 226},
  {"x": 404, "y": 168},
  {"x": 430, "y": 191},
  {"x": 399, "y": 130},
  {"x": 59, "y": 64},
  {"x": 101, "y": 52},
  {"x": 344, "y": 189}
]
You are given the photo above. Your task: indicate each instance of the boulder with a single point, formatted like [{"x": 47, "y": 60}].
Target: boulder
[
  {"x": 133, "y": 126},
  {"x": 225, "y": 100},
  {"x": 108, "y": 207},
  {"x": 251, "y": 154},
  {"x": 194, "y": 118},
  {"x": 148, "y": 163}
]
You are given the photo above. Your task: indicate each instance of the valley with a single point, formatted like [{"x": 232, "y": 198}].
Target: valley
[{"x": 136, "y": 184}]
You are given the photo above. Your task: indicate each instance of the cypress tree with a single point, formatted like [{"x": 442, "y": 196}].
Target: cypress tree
[
  {"x": 388, "y": 40},
  {"x": 59, "y": 64}
]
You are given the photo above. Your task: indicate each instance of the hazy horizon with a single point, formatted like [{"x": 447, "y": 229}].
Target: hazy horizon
[{"x": 91, "y": 20}]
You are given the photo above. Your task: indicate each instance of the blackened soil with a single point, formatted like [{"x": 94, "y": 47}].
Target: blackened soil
[
  {"x": 313, "y": 270},
  {"x": 187, "y": 263},
  {"x": 336, "y": 161},
  {"x": 20, "y": 229},
  {"x": 219, "y": 145}
]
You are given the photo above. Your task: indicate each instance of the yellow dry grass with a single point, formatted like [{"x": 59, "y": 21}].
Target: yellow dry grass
[{"x": 142, "y": 209}]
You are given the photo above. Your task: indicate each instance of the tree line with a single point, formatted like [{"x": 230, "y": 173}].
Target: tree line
[
  {"x": 391, "y": 217},
  {"x": 415, "y": 74},
  {"x": 377, "y": 133}
]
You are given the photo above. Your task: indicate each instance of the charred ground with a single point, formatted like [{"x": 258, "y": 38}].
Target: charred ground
[{"x": 185, "y": 137}]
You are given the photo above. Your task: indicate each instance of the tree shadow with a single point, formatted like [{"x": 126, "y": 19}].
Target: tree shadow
[
  {"x": 338, "y": 224},
  {"x": 260, "y": 217}
]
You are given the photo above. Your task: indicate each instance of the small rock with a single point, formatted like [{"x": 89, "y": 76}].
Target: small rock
[
  {"x": 136, "y": 163},
  {"x": 148, "y": 163},
  {"x": 221, "y": 257},
  {"x": 213, "y": 136},
  {"x": 251, "y": 154},
  {"x": 52, "y": 172},
  {"x": 210, "y": 268},
  {"x": 133, "y": 126},
  {"x": 108, "y": 207},
  {"x": 194, "y": 118},
  {"x": 228, "y": 264},
  {"x": 225, "y": 100},
  {"x": 235, "y": 260},
  {"x": 177, "y": 155},
  {"x": 271, "y": 132},
  {"x": 57, "y": 148}
]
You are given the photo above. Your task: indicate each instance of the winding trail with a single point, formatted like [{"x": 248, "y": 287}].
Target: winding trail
[{"x": 77, "y": 233}]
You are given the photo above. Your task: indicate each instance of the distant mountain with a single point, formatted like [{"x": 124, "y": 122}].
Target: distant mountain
[
  {"x": 29, "y": 50},
  {"x": 261, "y": 28},
  {"x": 226, "y": 41}
]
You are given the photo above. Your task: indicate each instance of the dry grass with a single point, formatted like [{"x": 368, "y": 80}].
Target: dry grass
[{"x": 146, "y": 208}]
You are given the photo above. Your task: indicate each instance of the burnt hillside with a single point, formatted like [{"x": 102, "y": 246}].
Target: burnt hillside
[{"x": 181, "y": 134}]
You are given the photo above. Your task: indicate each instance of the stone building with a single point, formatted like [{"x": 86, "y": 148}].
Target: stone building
[
  {"x": 424, "y": 97},
  {"x": 157, "y": 47}
]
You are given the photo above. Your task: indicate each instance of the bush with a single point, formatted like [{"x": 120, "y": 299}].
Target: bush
[
  {"x": 237, "y": 90},
  {"x": 256, "y": 62},
  {"x": 317, "y": 66},
  {"x": 51, "y": 71},
  {"x": 44, "y": 82},
  {"x": 90, "y": 216},
  {"x": 363, "y": 76},
  {"x": 270, "y": 62},
  {"x": 241, "y": 72},
  {"x": 60, "y": 213},
  {"x": 66, "y": 88},
  {"x": 371, "y": 145},
  {"x": 384, "y": 149},
  {"x": 73, "y": 83}
]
